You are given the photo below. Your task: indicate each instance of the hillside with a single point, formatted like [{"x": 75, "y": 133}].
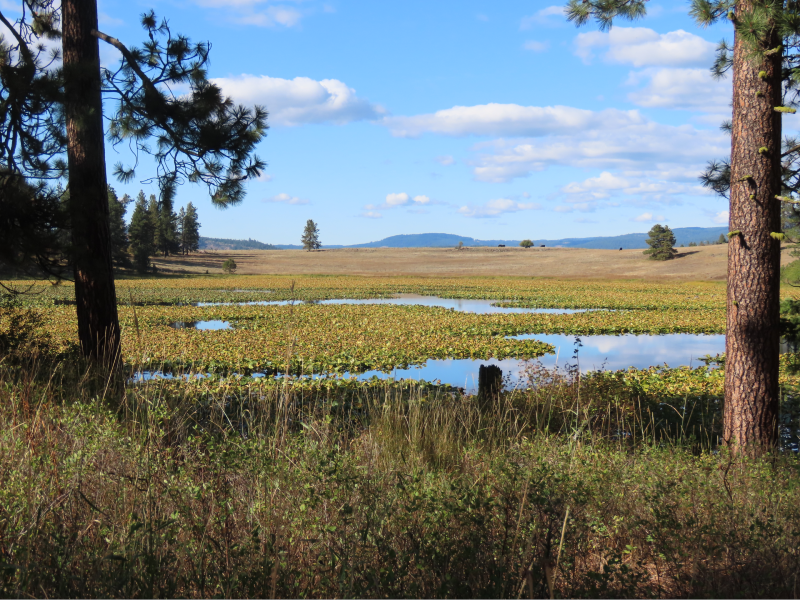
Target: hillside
[
  {"x": 225, "y": 244},
  {"x": 630, "y": 241}
]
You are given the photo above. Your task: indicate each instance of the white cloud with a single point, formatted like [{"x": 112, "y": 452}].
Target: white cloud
[
  {"x": 300, "y": 100},
  {"x": 692, "y": 89},
  {"x": 535, "y": 46},
  {"x": 421, "y": 200},
  {"x": 605, "y": 181},
  {"x": 286, "y": 199},
  {"x": 494, "y": 208},
  {"x": 371, "y": 214},
  {"x": 393, "y": 200},
  {"x": 648, "y": 218},
  {"x": 552, "y": 15},
  {"x": 250, "y": 12},
  {"x": 722, "y": 217},
  {"x": 644, "y": 146},
  {"x": 577, "y": 207},
  {"x": 510, "y": 120},
  {"x": 446, "y": 160},
  {"x": 643, "y": 47}
]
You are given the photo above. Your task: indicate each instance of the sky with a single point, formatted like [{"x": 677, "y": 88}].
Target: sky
[{"x": 495, "y": 120}]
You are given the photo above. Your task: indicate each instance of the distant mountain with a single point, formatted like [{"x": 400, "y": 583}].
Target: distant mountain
[
  {"x": 683, "y": 236},
  {"x": 225, "y": 244}
]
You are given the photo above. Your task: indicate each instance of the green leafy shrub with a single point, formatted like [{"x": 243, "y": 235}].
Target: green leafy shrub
[{"x": 229, "y": 266}]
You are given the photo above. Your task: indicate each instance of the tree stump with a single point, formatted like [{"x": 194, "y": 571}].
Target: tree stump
[{"x": 490, "y": 383}]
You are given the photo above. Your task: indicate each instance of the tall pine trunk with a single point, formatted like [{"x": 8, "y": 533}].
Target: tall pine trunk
[
  {"x": 752, "y": 340},
  {"x": 98, "y": 323}
]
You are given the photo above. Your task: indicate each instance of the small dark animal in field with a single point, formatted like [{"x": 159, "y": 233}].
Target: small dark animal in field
[
  {"x": 542, "y": 246},
  {"x": 501, "y": 245},
  {"x": 620, "y": 248}
]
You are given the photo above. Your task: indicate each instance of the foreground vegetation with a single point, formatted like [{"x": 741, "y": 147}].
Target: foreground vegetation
[
  {"x": 592, "y": 486},
  {"x": 611, "y": 484}
]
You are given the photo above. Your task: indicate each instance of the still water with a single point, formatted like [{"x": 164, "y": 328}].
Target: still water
[
  {"x": 481, "y": 307},
  {"x": 597, "y": 352}
]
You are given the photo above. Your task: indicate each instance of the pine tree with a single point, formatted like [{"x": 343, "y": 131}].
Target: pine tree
[
  {"x": 141, "y": 234},
  {"x": 166, "y": 236},
  {"x": 310, "y": 237},
  {"x": 181, "y": 232},
  {"x": 765, "y": 60},
  {"x": 117, "y": 207},
  {"x": 201, "y": 135},
  {"x": 191, "y": 230},
  {"x": 722, "y": 239},
  {"x": 661, "y": 241}
]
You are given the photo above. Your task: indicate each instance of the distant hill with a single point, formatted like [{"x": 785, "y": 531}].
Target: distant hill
[
  {"x": 683, "y": 235},
  {"x": 629, "y": 241},
  {"x": 225, "y": 244}
]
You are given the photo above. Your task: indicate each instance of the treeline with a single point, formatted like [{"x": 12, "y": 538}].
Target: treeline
[{"x": 155, "y": 229}]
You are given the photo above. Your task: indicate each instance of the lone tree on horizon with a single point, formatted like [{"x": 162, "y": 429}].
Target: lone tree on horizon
[
  {"x": 194, "y": 134},
  {"x": 661, "y": 241},
  {"x": 765, "y": 61},
  {"x": 310, "y": 237}
]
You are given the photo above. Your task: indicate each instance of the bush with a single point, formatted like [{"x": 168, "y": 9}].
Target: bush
[
  {"x": 229, "y": 266},
  {"x": 526, "y": 243}
]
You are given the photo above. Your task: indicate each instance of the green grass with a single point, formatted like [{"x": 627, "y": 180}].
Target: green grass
[{"x": 223, "y": 488}]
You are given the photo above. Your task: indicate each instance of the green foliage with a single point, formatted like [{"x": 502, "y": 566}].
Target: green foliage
[
  {"x": 229, "y": 266},
  {"x": 190, "y": 229},
  {"x": 117, "y": 207},
  {"x": 199, "y": 489},
  {"x": 310, "y": 238},
  {"x": 141, "y": 234},
  {"x": 722, "y": 239},
  {"x": 526, "y": 243},
  {"x": 661, "y": 241},
  {"x": 202, "y": 135}
]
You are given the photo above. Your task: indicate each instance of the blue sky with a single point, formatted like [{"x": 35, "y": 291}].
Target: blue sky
[{"x": 485, "y": 119}]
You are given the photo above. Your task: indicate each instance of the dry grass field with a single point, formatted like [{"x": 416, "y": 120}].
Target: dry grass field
[{"x": 696, "y": 263}]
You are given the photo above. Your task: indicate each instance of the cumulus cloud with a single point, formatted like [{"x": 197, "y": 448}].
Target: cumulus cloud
[
  {"x": 552, "y": 15},
  {"x": 690, "y": 89},
  {"x": 648, "y": 218},
  {"x": 535, "y": 46},
  {"x": 446, "y": 160},
  {"x": 286, "y": 199},
  {"x": 495, "y": 208},
  {"x": 393, "y": 200},
  {"x": 260, "y": 13},
  {"x": 371, "y": 214},
  {"x": 597, "y": 186},
  {"x": 301, "y": 100},
  {"x": 644, "y": 146},
  {"x": 510, "y": 120},
  {"x": 643, "y": 47},
  {"x": 396, "y": 200},
  {"x": 576, "y": 207},
  {"x": 722, "y": 217}
]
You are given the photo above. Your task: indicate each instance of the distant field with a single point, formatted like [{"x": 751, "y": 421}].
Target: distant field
[{"x": 696, "y": 263}]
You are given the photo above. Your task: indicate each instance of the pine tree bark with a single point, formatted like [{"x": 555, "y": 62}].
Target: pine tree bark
[
  {"x": 752, "y": 338},
  {"x": 98, "y": 322}
]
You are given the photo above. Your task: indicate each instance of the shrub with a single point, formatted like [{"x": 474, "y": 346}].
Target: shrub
[
  {"x": 229, "y": 266},
  {"x": 526, "y": 243}
]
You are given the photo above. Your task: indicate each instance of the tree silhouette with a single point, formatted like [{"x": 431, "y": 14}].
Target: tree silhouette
[{"x": 46, "y": 112}]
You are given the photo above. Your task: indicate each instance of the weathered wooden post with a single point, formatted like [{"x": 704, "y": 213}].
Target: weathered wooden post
[{"x": 490, "y": 383}]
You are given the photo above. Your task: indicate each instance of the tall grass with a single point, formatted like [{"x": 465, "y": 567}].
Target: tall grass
[{"x": 568, "y": 487}]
